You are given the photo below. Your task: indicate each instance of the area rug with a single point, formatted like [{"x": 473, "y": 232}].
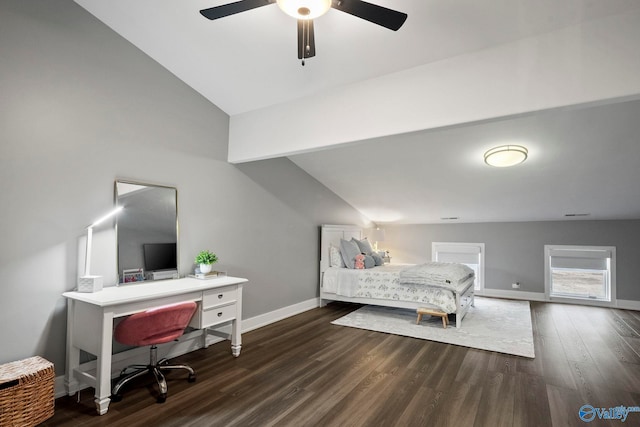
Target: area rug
[{"x": 493, "y": 324}]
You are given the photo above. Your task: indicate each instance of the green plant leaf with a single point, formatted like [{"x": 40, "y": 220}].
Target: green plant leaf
[{"x": 206, "y": 257}]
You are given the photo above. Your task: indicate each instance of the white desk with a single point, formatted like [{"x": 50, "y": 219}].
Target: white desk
[{"x": 90, "y": 321}]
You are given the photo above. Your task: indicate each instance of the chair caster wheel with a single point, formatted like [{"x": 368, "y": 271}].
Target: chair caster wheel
[
  {"x": 162, "y": 398},
  {"x": 116, "y": 397},
  {"x": 191, "y": 379}
]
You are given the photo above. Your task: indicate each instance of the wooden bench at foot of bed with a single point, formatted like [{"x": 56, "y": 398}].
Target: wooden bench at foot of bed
[{"x": 422, "y": 311}]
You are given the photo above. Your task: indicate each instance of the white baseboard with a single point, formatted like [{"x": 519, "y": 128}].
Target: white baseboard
[
  {"x": 279, "y": 314},
  {"x": 509, "y": 294},
  {"x": 189, "y": 342},
  {"x": 540, "y": 296},
  {"x": 628, "y": 304}
]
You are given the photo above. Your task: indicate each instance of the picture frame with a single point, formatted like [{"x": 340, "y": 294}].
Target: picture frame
[{"x": 133, "y": 275}]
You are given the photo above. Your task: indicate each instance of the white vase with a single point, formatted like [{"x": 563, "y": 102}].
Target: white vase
[{"x": 205, "y": 268}]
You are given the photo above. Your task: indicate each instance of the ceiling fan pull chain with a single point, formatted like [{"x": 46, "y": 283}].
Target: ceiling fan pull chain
[
  {"x": 307, "y": 47},
  {"x": 303, "y": 44},
  {"x": 305, "y": 40}
]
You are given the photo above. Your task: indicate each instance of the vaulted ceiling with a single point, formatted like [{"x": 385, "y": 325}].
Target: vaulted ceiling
[{"x": 415, "y": 156}]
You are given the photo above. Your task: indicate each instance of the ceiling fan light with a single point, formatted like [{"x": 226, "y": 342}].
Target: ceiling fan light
[
  {"x": 304, "y": 9},
  {"x": 506, "y": 155}
]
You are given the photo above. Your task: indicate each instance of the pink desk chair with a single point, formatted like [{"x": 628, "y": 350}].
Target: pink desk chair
[{"x": 152, "y": 327}]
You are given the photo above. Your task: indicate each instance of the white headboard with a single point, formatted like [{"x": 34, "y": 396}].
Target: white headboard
[{"x": 331, "y": 235}]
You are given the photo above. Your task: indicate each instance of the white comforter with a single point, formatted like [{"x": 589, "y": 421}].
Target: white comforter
[{"x": 442, "y": 274}]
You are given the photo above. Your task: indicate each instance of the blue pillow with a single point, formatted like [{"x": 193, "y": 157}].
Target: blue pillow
[
  {"x": 349, "y": 250},
  {"x": 377, "y": 259},
  {"x": 369, "y": 261},
  {"x": 364, "y": 245}
]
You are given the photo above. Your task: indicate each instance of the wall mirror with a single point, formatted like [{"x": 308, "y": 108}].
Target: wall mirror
[{"x": 146, "y": 232}]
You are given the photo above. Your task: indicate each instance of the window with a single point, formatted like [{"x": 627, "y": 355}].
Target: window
[
  {"x": 469, "y": 254},
  {"x": 585, "y": 273}
]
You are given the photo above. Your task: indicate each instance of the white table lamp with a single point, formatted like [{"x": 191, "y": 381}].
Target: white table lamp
[
  {"x": 377, "y": 236},
  {"x": 88, "y": 282}
]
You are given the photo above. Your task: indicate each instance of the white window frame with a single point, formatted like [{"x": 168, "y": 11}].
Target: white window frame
[
  {"x": 548, "y": 249},
  {"x": 463, "y": 248}
]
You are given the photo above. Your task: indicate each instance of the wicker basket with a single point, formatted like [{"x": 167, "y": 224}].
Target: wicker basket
[{"x": 26, "y": 392}]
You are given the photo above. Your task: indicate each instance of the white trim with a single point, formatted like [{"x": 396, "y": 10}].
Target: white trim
[
  {"x": 572, "y": 249},
  {"x": 583, "y": 301},
  {"x": 519, "y": 295},
  {"x": 279, "y": 314},
  {"x": 628, "y": 305},
  {"x": 58, "y": 387},
  {"x": 540, "y": 296}
]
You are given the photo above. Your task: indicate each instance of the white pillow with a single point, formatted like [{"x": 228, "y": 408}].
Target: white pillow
[{"x": 335, "y": 259}]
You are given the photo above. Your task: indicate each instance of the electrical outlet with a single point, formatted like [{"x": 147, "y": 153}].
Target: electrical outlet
[{"x": 515, "y": 285}]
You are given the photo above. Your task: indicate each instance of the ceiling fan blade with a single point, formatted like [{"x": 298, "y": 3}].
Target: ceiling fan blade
[
  {"x": 380, "y": 15},
  {"x": 233, "y": 8},
  {"x": 306, "y": 39}
]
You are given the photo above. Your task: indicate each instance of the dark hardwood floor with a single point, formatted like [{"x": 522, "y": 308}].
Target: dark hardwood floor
[{"x": 303, "y": 371}]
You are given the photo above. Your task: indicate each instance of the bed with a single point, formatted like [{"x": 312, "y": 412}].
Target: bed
[{"x": 384, "y": 285}]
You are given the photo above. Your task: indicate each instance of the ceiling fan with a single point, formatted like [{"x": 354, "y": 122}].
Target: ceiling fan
[{"x": 305, "y": 11}]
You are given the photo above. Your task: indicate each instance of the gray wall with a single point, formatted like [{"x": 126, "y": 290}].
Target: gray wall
[
  {"x": 515, "y": 251},
  {"x": 80, "y": 107}
]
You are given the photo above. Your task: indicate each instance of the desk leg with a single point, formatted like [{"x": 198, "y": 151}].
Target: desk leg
[
  {"x": 236, "y": 325},
  {"x": 236, "y": 338},
  {"x": 205, "y": 334},
  {"x": 103, "y": 369},
  {"x": 73, "y": 353}
]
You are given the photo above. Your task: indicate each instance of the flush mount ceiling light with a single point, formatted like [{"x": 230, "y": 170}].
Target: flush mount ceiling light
[{"x": 506, "y": 155}]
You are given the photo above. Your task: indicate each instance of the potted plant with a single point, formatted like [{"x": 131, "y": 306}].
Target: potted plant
[{"x": 206, "y": 259}]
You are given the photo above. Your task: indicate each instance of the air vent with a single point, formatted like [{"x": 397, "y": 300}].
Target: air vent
[
  {"x": 576, "y": 214},
  {"x": 449, "y": 218}
]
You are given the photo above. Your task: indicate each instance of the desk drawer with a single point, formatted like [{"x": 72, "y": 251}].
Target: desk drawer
[
  {"x": 214, "y": 316},
  {"x": 219, "y": 296}
]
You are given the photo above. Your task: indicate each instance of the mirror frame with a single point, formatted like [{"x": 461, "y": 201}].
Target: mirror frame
[{"x": 117, "y": 231}]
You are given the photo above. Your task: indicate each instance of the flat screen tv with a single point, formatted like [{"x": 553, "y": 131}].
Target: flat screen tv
[{"x": 159, "y": 256}]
